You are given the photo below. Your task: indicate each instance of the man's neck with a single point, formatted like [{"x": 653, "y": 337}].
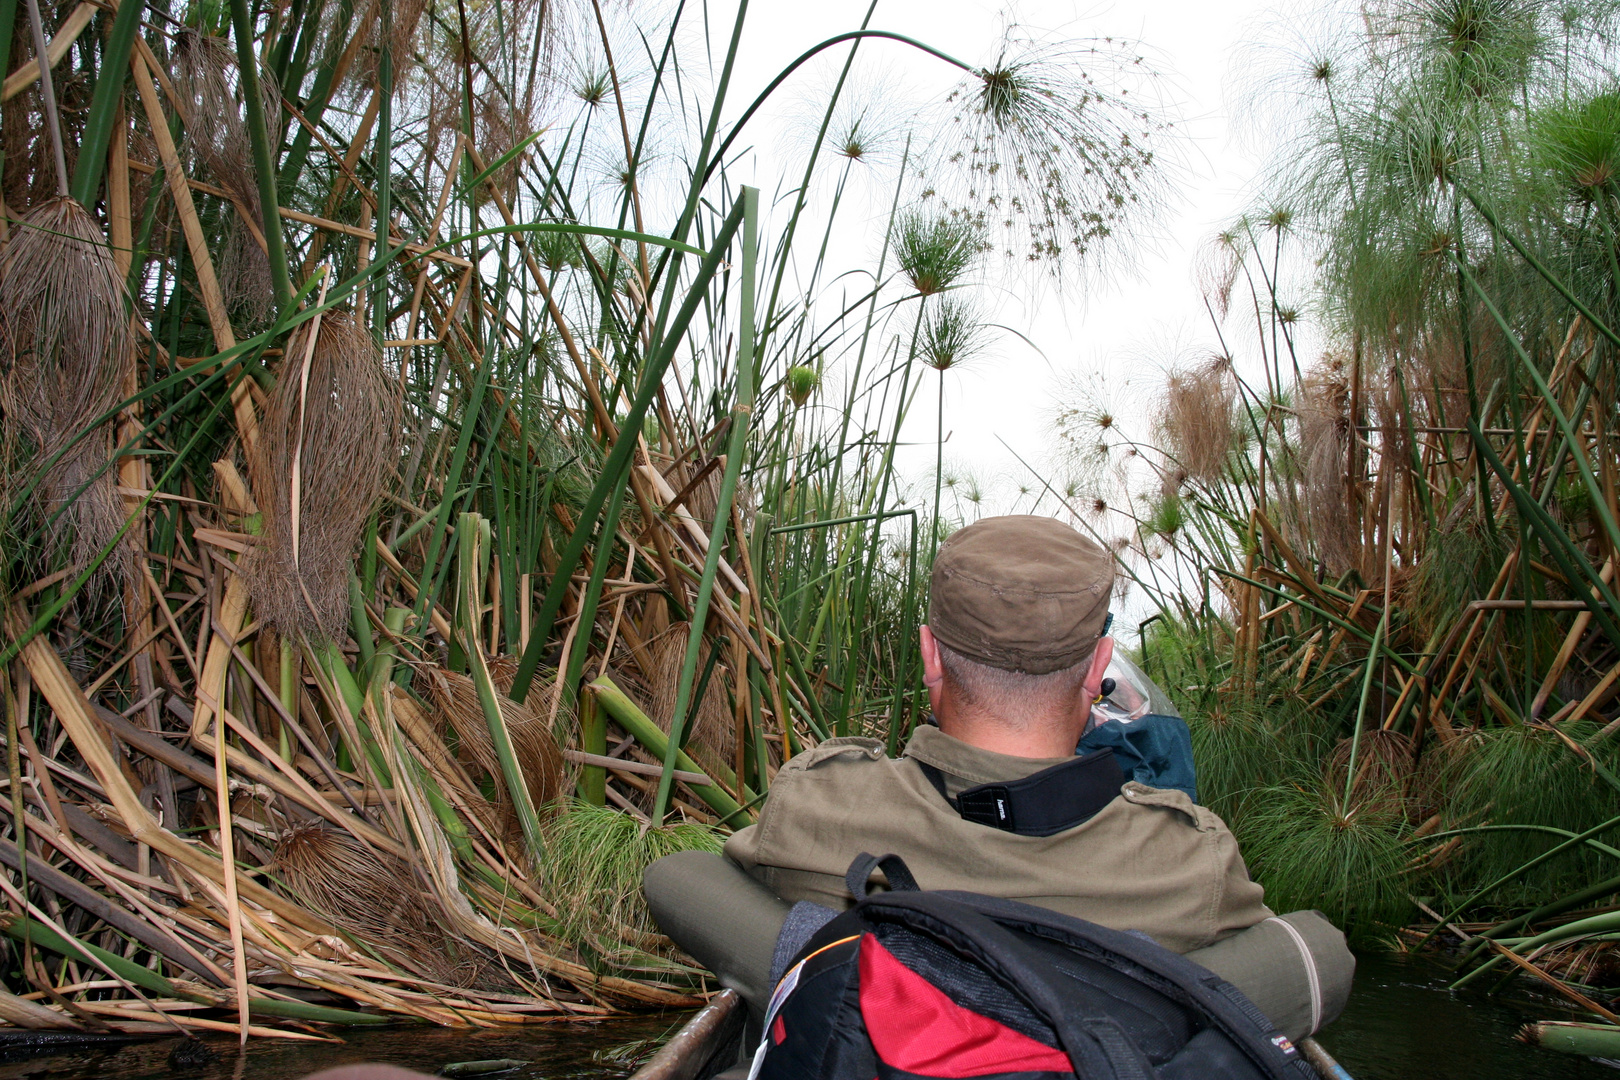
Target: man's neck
[{"x": 1052, "y": 736}]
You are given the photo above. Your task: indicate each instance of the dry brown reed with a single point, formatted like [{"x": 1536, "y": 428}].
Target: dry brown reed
[
  {"x": 498, "y": 126},
  {"x": 205, "y": 76},
  {"x": 701, "y": 498},
  {"x": 404, "y": 16},
  {"x": 1383, "y": 769},
  {"x": 1324, "y": 441},
  {"x": 1592, "y": 963},
  {"x": 30, "y": 168},
  {"x": 527, "y": 724},
  {"x": 406, "y": 886},
  {"x": 711, "y": 733},
  {"x": 65, "y": 353},
  {"x": 1197, "y": 418},
  {"x": 375, "y": 899},
  {"x": 329, "y": 441}
]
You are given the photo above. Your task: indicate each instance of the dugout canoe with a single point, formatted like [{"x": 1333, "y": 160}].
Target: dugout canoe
[
  {"x": 708, "y": 1045},
  {"x": 699, "y": 1050}
]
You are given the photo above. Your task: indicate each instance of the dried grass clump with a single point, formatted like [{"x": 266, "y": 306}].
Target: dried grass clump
[
  {"x": 455, "y": 696},
  {"x": 375, "y": 900},
  {"x": 205, "y": 77},
  {"x": 498, "y": 126},
  {"x": 65, "y": 356},
  {"x": 26, "y": 120},
  {"x": 1593, "y": 963},
  {"x": 712, "y": 736},
  {"x": 1383, "y": 769},
  {"x": 403, "y": 18},
  {"x": 1197, "y": 418},
  {"x": 320, "y": 464},
  {"x": 1324, "y": 446}
]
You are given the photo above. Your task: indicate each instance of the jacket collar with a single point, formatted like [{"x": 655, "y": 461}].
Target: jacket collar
[{"x": 932, "y": 746}]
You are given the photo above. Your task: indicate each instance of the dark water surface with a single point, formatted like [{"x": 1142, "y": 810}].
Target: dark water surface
[
  {"x": 554, "y": 1051},
  {"x": 1401, "y": 1024}
]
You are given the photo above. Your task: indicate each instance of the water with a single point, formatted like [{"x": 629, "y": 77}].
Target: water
[
  {"x": 555, "y": 1052},
  {"x": 1401, "y": 1024}
]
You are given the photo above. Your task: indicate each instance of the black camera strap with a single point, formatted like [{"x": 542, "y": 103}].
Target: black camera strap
[{"x": 1041, "y": 803}]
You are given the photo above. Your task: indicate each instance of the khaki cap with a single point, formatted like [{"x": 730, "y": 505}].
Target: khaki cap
[{"x": 1020, "y": 593}]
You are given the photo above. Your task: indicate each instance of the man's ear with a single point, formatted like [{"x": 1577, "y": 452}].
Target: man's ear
[
  {"x": 933, "y": 665},
  {"x": 1100, "y": 656}
]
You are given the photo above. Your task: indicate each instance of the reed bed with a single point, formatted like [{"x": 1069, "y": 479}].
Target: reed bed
[
  {"x": 412, "y": 526},
  {"x": 1383, "y": 573}
]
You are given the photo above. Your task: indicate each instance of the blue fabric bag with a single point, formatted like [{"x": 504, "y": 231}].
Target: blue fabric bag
[{"x": 1153, "y": 750}]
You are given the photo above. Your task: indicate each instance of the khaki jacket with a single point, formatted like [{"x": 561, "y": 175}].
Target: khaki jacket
[{"x": 1151, "y": 860}]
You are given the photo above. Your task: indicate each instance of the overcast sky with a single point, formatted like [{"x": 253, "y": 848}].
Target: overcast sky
[{"x": 1135, "y": 321}]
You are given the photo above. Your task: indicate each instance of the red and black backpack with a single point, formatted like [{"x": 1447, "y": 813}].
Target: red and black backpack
[{"x": 912, "y": 984}]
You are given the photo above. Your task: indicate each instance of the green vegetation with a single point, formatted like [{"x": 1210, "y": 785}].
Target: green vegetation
[
  {"x": 1384, "y": 575},
  {"x": 432, "y": 486}
]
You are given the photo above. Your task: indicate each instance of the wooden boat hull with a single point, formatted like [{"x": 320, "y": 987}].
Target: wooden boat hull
[{"x": 698, "y": 1050}]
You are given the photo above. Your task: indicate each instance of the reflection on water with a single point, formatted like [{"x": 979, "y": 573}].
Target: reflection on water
[{"x": 1401, "y": 1025}]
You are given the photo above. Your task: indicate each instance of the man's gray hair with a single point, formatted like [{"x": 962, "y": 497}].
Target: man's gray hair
[{"x": 1009, "y": 692}]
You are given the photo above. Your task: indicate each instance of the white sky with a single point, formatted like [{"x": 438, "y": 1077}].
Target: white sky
[{"x": 1131, "y": 327}]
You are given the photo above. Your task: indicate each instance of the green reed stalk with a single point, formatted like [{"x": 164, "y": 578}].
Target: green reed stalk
[
  {"x": 104, "y": 103},
  {"x": 326, "y": 83},
  {"x": 586, "y": 621},
  {"x": 648, "y": 734},
  {"x": 1577, "y": 447},
  {"x": 517, "y": 788},
  {"x": 873, "y": 551},
  {"x": 264, "y": 163},
  {"x": 742, "y": 411},
  {"x": 25, "y": 929},
  {"x": 618, "y": 459},
  {"x": 592, "y": 740}
]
